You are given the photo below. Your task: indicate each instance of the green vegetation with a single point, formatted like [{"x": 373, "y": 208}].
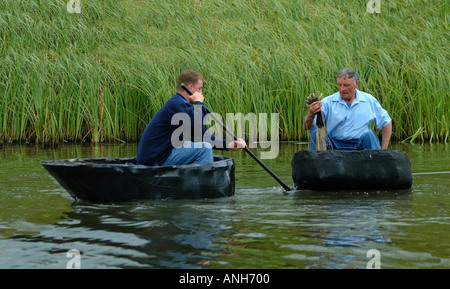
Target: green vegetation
[{"x": 101, "y": 74}]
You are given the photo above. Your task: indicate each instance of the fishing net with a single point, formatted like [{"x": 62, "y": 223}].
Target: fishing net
[{"x": 321, "y": 131}]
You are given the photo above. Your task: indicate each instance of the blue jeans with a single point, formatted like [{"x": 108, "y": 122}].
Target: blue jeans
[
  {"x": 369, "y": 141},
  {"x": 190, "y": 152}
]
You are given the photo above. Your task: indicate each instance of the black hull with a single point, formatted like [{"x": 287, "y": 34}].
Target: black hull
[
  {"x": 351, "y": 170},
  {"x": 120, "y": 179}
]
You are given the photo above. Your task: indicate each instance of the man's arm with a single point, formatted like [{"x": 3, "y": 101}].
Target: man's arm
[
  {"x": 314, "y": 109},
  {"x": 386, "y": 135}
]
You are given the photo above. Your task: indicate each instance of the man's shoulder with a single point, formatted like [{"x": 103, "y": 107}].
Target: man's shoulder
[
  {"x": 176, "y": 98},
  {"x": 176, "y": 101},
  {"x": 364, "y": 96},
  {"x": 332, "y": 97}
]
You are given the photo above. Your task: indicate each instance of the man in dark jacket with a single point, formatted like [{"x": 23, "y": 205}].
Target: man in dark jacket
[{"x": 176, "y": 134}]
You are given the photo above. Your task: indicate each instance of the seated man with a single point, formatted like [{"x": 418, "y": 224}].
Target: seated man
[
  {"x": 160, "y": 143},
  {"x": 347, "y": 115}
]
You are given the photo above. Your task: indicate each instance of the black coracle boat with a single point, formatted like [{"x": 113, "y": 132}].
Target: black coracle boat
[
  {"x": 351, "y": 170},
  {"x": 121, "y": 179}
]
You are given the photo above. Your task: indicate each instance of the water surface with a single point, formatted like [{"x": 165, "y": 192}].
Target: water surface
[{"x": 260, "y": 227}]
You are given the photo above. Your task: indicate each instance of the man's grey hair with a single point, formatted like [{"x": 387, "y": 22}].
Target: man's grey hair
[{"x": 348, "y": 73}]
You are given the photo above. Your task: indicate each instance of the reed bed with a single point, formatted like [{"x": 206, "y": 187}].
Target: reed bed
[{"x": 100, "y": 75}]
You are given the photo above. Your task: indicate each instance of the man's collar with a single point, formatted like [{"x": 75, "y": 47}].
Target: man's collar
[{"x": 184, "y": 99}]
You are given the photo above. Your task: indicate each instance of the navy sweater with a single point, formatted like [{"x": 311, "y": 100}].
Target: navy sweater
[{"x": 156, "y": 142}]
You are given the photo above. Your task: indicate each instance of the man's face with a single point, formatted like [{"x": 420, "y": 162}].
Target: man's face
[
  {"x": 196, "y": 90},
  {"x": 198, "y": 86},
  {"x": 347, "y": 88}
]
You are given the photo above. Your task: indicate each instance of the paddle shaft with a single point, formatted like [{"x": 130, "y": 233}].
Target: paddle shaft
[{"x": 235, "y": 138}]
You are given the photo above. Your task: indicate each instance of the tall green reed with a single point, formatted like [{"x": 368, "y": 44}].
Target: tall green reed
[{"x": 100, "y": 75}]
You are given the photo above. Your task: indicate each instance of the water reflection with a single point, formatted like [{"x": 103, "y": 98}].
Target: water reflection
[
  {"x": 153, "y": 234},
  {"x": 260, "y": 227},
  {"x": 345, "y": 225}
]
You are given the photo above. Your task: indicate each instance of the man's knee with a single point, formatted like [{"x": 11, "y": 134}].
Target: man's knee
[
  {"x": 207, "y": 145},
  {"x": 205, "y": 154},
  {"x": 369, "y": 140}
]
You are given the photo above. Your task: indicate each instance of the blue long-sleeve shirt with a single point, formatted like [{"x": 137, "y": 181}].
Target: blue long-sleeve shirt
[{"x": 175, "y": 122}]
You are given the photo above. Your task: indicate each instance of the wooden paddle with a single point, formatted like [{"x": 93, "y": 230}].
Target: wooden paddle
[{"x": 235, "y": 138}]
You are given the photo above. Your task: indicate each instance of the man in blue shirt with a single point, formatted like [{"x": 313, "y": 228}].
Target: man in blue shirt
[
  {"x": 176, "y": 134},
  {"x": 347, "y": 115}
]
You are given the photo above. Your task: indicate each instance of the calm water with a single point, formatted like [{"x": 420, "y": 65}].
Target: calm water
[{"x": 259, "y": 227}]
